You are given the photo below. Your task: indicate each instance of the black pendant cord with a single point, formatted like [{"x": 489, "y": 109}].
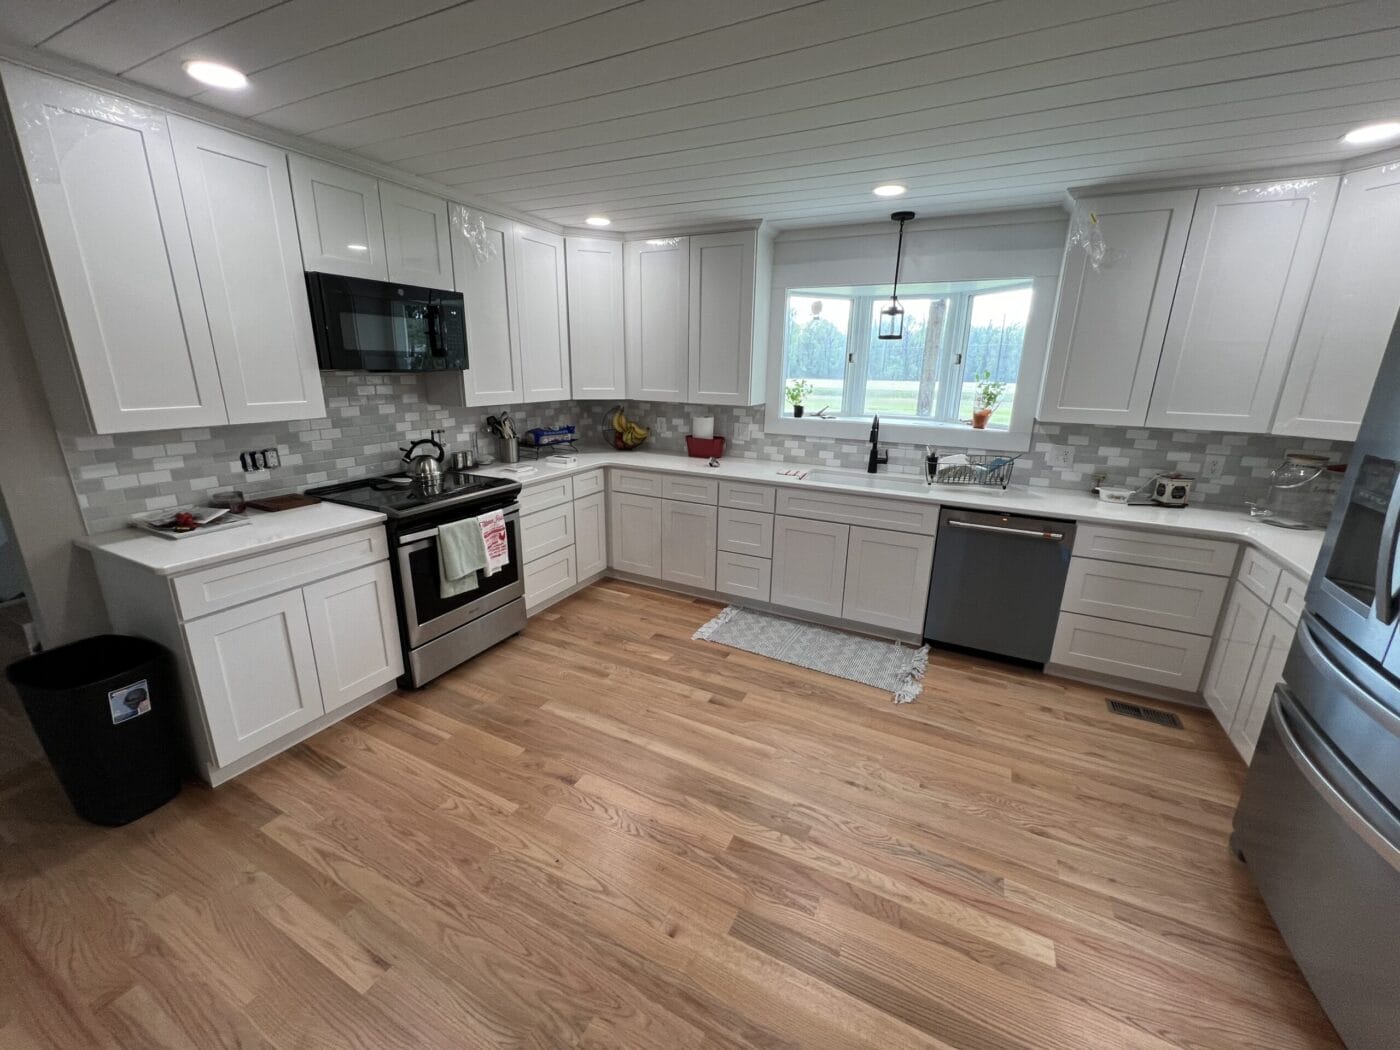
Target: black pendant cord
[{"x": 898, "y": 257}]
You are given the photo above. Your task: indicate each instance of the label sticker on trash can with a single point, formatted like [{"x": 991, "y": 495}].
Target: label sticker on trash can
[{"x": 129, "y": 701}]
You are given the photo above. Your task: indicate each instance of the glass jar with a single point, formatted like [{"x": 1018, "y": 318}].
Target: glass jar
[{"x": 1300, "y": 492}]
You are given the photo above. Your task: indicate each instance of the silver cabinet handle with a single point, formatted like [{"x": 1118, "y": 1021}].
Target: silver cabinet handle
[
  {"x": 1028, "y": 533},
  {"x": 1334, "y": 798}
]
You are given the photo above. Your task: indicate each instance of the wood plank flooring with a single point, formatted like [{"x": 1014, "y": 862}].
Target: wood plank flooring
[{"x": 604, "y": 834}]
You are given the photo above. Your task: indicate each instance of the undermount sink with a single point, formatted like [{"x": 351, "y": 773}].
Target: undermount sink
[{"x": 890, "y": 482}]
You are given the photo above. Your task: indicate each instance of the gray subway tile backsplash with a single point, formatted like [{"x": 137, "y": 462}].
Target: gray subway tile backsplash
[{"x": 369, "y": 417}]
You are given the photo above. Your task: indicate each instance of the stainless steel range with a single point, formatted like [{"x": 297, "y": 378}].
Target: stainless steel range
[{"x": 439, "y": 633}]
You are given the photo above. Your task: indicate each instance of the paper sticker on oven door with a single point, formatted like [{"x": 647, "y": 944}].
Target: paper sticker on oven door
[{"x": 130, "y": 701}]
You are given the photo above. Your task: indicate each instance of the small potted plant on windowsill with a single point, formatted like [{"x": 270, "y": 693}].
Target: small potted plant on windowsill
[
  {"x": 985, "y": 400},
  {"x": 797, "y": 391}
]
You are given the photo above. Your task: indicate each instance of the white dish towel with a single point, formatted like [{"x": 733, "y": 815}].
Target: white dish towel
[{"x": 496, "y": 541}]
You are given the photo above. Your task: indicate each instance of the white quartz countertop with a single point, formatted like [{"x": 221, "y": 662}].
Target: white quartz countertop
[
  {"x": 1295, "y": 549},
  {"x": 265, "y": 531}
]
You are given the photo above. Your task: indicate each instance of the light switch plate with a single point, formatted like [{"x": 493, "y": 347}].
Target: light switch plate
[{"x": 1214, "y": 466}]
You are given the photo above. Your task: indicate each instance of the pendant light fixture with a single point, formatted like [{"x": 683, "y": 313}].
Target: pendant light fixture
[{"x": 892, "y": 316}]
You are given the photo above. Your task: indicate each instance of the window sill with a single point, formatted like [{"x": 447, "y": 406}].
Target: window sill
[{"x": 953, "y": 435}]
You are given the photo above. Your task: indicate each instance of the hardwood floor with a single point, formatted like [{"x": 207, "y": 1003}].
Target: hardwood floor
[{"x": 605, "y": 834}]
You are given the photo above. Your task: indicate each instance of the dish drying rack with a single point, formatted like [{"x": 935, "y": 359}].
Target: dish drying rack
[{"x": 992, "y": 471}]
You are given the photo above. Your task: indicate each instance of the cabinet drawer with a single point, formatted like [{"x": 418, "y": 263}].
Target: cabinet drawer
[
  {"x": 899, "y": 515},
  {"x": 746, "y": 497},
  {"x": 1178, "y": 601},
  {"x": 1259, "y": 574},
  {"x": 549, "y": 576},
  {"x": 587, "y": 484},
  {"x": 1289, "y": 596},
  {"x": 542, "y": 494},
  {"x": 546, "y": 531},
  {"x": 746, "y": 532},
  {"x": 1129, "y": 650},
  {"x": 690, "y": 490},
  {"x": 224, "y": 586},
  {"x": 743, "y": 576},
  {"x": 635, "y": 482},
  {"x": 1157, "y": 549}
]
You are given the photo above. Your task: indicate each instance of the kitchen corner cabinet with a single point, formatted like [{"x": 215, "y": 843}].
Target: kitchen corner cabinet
[
  {"x": 339, "y": 219},
  {"x": 1110, "y": 323},
  {"x": 1238, "y": 640},
  {"x": 542, "y": 314},
  {"x": 1265, "y": 672},
  {"x": 1250, "y": 258},
  {"x": 101, "y": 172},
  {"x": 417, "y": 247},
  {"x": 597, "y": 357},
  {"x": 728, "y": 317},
  {"x": 591, "y": 534},
  {"x": 1349, "y": 315},
  {"x": 242, "y": 223},
  {"x": 657, "y": 321}
]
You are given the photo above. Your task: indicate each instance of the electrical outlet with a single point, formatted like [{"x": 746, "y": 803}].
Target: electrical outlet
[
  {"x": 1214, "y": 466},
  {"x": 1061, "y": 456},
  {"x": 271, "y": 458},
  {"x": 252, "y": 461}
]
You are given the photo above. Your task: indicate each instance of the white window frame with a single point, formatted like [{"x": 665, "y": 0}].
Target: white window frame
[{"x": 1017, "y": 438}]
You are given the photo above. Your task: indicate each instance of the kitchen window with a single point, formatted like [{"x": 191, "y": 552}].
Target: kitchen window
[{"x": 955, "y": 336}]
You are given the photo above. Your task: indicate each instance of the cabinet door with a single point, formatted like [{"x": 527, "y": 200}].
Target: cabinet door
[
  {"x": 1235, "y": 646},
  {"x": 688, "y": 544},
  {"x": 887, "y": 576},
  {"x": 542, "y": 314},
  {"x": 107, "y": 196},
  {"x": 1265, "y": 672},
  {"x": 597, "y": 358},
  {"x": 417, "y": 247},
  {"x": 1250, "y": 259},
  {"x": 657, "y": 311},
  {"x": 591, "y": 534},
  {"x": 550, "y": 576},
  {"x": 256, "y": 672},
  {"x": 354, "y": 633},
  {"x": 238, "y": 198},
  {"x": 721, "y": 318},
  {"x": 1347, "y": 322},
  {"x": 809, "y": 564},
  {"x": 1109, "y": 323},
  {"x": 338, "y": 219},
  {"x": 634, "y": 528}
]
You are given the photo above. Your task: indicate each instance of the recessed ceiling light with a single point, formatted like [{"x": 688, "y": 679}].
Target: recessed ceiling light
[
  {"x": 598, "y": 220},
  {"x": 358, "y": 247},
  {"x": 890, "y": 189},
  {"x": 215, "y": 74},
  {"x": 1369, "y": 134}
]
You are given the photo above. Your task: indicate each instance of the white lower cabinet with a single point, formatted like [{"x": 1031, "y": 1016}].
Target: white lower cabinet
[
  {"x": 256, "y": 673},
  {"x": 743, "y": 576},
  {"x": 746, "y": 532},
  {"x": 591, "y": 534},
  {"x": 634, "y": 533},
  {"x": 887, "y": 576},
  {"x": 809, "y": 564},
  {"x": 1265, "y": 672},
  {"x": 688, "y": 544},
  {"x": 1149, "y": 655},
  {"x": 546, "y": 531},
  {"x": 550, "y": 576},
  {"x": 354, "y": 633},
  {"x": 1240, "y": 630}
]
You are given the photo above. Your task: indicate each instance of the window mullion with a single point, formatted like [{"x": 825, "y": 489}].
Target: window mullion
[{"x": 857, "y": 356}]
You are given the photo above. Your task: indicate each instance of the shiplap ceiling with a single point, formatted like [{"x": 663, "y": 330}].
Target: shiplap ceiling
[{"x": 686, "y": 112}]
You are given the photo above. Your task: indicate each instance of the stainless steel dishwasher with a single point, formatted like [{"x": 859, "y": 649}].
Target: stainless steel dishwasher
[{"x": 997, "y": 581}]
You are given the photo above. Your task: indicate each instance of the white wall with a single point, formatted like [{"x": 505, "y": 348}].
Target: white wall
[{"x": 12, "y": 581}]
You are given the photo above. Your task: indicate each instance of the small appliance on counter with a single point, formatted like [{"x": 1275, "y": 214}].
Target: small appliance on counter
[
  {"x": 1301, "y": 491},
  {"x": 1171, "y": 490}
]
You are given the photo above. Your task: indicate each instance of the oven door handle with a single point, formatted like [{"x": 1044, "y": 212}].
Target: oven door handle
[{"x": 512, "y": 513}]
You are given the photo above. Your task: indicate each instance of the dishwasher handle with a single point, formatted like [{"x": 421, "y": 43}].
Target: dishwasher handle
[{"x": 1033, "y": 534}]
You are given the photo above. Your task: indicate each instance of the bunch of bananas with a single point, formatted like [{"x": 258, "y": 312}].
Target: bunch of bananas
[{"x": 628, "y": 434}]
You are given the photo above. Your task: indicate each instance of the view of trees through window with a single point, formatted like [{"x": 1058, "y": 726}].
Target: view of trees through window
[{"x": 953, "y": 335}]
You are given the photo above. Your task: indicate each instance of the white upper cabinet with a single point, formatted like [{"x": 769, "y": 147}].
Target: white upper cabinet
[
  {"x": 728, "y": 318},
  {"x": 1350, "y": 313},
  {"x": 1110, "y": 323},
  {"x": 339, "y": 220},
  {"x": 416, "y": 241},
  {"x": 656, "y": 309},
  {"x": 238, "y": 199},
  {"x": 1250, "y": 259},
  {"x": 107, "y": 196},
  {"x": 596, "y": 351},
  {"x": 542, "y": 314}
]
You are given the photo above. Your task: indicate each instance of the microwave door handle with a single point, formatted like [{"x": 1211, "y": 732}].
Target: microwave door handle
[
  {"x": 435, "y": 333},
  {"x": 1385, "y": 563}
]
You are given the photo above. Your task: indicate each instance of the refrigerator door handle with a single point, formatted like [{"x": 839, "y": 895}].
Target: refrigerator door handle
[
  {"x": 1329, "y": 793},
  {"x": 1385, "y": 564}
]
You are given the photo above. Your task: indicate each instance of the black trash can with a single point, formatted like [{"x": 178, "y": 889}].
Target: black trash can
[{"x": 105, "y": 709}]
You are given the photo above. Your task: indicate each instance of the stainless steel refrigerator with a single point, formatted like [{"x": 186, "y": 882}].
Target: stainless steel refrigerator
[{"x": 1319, "y": 822}]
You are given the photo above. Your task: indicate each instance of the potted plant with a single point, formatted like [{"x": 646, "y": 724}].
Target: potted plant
[
  {"x": 797, "y": 391},
  {"x": 985, "y": 400}
]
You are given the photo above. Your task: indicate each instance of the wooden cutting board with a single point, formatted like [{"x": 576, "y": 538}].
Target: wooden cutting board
[{"x": 289, "y": 501}]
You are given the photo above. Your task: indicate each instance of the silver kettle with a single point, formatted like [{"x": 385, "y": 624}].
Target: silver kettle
[{"x": 424, "y": 462}]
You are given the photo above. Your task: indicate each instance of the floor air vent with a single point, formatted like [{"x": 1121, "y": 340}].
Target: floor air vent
[{"x": 1144, "y": 714}]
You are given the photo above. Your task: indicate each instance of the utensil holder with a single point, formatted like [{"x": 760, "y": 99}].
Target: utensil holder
[{"x": 510, "y": 451}]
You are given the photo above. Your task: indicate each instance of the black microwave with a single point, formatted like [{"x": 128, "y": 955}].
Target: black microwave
[{"x": 379, "y": 326}]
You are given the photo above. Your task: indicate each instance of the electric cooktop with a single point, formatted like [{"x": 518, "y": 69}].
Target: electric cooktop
[{"x": 401, "y": 496}]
